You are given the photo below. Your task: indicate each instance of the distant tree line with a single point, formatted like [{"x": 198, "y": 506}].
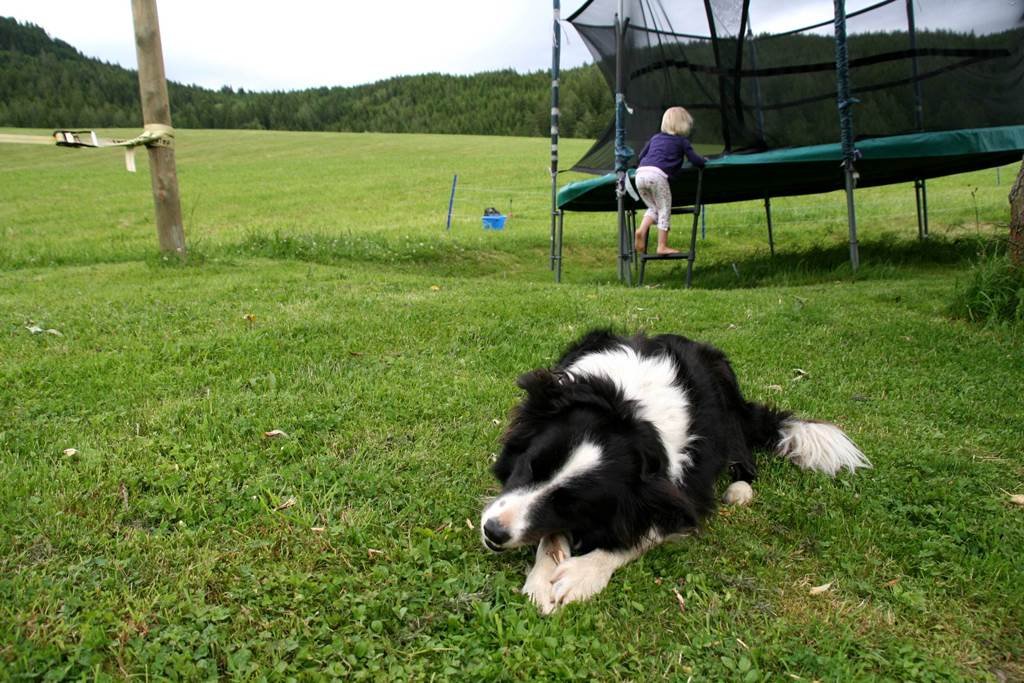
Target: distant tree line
[{"x": 46, "y": 83}]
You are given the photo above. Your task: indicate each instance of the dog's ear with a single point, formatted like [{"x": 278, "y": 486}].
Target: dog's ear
[
  {"x": 549, "y": 391},
  {"x": 540, "y": 381}
]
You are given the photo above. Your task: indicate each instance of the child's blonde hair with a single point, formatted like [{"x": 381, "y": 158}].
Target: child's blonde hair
[{"x": 676, "y": 121}]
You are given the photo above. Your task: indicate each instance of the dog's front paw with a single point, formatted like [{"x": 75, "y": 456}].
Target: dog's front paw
[
  {"x": 579, "y": 578},
  {"x": 551, "y": 552},
  {"x": 539, "y": 589}
]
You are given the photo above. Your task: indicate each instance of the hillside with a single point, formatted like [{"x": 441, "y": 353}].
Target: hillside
[{"x": 47, "y": 83}]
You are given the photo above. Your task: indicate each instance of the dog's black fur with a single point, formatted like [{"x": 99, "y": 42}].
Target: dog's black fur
[{"x": 616, "y": 505}]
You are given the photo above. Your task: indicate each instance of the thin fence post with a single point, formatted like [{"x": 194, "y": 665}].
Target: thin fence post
[
  {"x": 156, "y": 110},
  {"x": 451, "y": 202}
]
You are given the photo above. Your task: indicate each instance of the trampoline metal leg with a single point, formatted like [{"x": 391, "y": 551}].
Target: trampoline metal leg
[
  {"x": 554, "y": 222},
  {"x": 851, "y": 214},
  {"x": 630, "y": 244},
  {"x": 924, "y": 206},
  {"x": 622, "y": 246},
  {"x": 557, "y": 247},
  {"x": 621, "y": 226},
  {"x": 692, "y": 256},
  {"x": 921, "y": 195},
  {"x": 768, "y": 215},
  {"x": 917, "y": 201},
  {"x": 641, "y": 260},
  {"x": 921, "y": 217},
  {"x": 627, "y": 249}
]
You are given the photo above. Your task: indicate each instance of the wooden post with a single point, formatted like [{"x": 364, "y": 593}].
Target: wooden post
[{"x": 156, "y": 109}]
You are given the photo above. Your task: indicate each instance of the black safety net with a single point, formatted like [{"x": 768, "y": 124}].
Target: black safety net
[{"x": 761, "y": 74}]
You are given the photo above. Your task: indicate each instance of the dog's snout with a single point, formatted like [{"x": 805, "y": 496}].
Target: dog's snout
[{"x": 495, "y": 535}]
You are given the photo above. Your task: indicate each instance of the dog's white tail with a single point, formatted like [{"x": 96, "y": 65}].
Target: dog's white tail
[{"x": 819, "y": 446}]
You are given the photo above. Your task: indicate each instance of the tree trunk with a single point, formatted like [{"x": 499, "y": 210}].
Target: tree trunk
[{"x": 1017, "y": 220}]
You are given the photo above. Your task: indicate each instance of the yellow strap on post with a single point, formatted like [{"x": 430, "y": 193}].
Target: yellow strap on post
[
  {"x": 152, "y": 135},
  {"x": 26, "y": 139}
]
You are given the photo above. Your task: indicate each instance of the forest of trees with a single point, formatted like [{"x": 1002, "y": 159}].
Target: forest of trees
[{"x": 46, "y": 83}]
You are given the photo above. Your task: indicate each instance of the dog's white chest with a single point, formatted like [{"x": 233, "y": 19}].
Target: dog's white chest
[{"x": 650, "y": 382}]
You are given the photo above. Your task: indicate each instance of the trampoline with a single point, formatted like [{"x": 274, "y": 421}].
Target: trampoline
[
  {"x": 936, "y": 87},
  {"x": 816, "y": 168}
]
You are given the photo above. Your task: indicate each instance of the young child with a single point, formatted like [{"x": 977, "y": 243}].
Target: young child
[{"x": 660, "y": 159}]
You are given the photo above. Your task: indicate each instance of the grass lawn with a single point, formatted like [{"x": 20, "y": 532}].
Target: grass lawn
[{"x": 325, "y": 298}]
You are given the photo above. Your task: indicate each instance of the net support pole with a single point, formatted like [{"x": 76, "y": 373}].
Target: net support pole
[
  {"x": 556, "y": 39},
  {"x": 757, "y": 84},
  {"x": 737, "y": 85},
  {"x": 918, "y": 99},
  {"x": 845, "y": 103},
  {"x": 156, "y": 109},
  {"x": 722, "y": 106},
  {"x": 920, "y": 191},
  {"x": 621, "y": 153}
]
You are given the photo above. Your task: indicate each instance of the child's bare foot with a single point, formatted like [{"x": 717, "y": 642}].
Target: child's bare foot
[{"x": 665, "y": 251}]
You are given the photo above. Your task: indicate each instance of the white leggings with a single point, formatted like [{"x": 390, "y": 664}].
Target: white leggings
[{"x": 653, "y": 188}]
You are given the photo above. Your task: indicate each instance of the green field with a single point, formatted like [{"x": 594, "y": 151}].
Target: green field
[{"x": 324, "y": 297}]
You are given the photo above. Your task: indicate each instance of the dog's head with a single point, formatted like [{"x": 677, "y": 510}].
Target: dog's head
[{"x": 576, "y": 459}]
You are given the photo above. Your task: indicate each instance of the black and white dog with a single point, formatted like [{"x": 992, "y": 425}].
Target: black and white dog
[{"x": 618, "y": 448}]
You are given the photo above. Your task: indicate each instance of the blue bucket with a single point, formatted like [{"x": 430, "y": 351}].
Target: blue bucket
[{"x": 496, "y": 222}]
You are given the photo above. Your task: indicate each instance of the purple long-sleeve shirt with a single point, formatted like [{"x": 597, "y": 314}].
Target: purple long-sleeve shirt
[{"x": 666, "y": 151}]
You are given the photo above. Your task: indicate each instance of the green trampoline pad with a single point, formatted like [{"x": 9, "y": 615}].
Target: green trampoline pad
[{"x": 817, "y": 168}]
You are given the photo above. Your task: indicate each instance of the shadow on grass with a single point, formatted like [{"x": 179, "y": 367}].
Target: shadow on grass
[
  {"x": 442, "y": 257},
  {"x": 332, "y": 248},
  {"x": 885, "y": 258}
]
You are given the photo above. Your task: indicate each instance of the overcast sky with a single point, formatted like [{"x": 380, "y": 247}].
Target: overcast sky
[
  {"x": 309, "y": 43},
  {"x": 306, "y": 43}
]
